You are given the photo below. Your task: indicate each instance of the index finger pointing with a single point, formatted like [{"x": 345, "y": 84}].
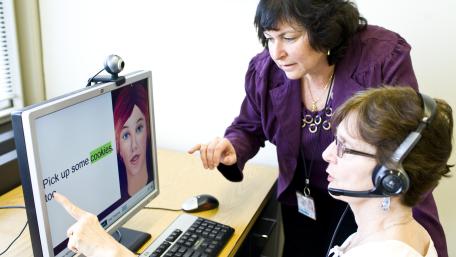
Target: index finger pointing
[
  {"x": 194, "y": 149},
  {"x": 72, "y": 209}
]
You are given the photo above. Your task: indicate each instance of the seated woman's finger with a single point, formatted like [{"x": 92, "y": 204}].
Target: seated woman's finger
[
  {"x": 72, "y": 209},
  {"x": 70, "y": 232},
  {"x": 73, "y": 242}
]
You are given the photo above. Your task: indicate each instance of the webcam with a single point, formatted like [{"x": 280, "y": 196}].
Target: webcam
[{"x": 113, "y": 65}]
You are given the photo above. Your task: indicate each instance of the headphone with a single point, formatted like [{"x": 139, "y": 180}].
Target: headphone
[{"x": 391, "y": 181}]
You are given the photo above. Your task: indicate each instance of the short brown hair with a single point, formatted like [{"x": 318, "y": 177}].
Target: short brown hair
[{"x": 384, "y": 118}]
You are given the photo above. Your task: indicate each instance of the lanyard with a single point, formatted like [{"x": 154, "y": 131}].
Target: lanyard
[{"x": 307, "y": 171}]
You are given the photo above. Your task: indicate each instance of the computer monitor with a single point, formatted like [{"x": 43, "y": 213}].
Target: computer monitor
[{"x": 97, "y": 147}]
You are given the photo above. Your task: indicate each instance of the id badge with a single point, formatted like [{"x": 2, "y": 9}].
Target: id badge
[{"x": 306, "y": 205}]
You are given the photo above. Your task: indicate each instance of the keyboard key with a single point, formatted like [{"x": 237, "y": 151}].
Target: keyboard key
[
  {"x": 189, "y": 253},
  {"x": 190, "y": 236},
  {"x": 174, "y": 235}
]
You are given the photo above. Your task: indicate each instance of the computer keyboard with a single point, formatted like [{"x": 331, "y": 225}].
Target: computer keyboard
[{"x": 190, "y": 236}]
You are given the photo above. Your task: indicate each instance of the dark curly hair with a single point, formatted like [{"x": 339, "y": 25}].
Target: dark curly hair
[
  {"x": 329, "y": 23},
  {"x": 384, "y": 118}
]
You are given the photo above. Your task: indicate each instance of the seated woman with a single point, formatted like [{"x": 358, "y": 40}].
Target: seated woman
[
  {"x": 371, "y": 167},
  {"x": 391, "y": 148}
]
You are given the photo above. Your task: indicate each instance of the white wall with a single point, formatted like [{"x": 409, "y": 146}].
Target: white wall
[{"x": 198, "y": 52}]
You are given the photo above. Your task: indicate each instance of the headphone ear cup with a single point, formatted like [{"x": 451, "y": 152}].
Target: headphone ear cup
[{"x": 390, "y": 182}]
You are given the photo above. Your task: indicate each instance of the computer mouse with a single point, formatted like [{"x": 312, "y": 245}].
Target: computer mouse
[{"x": 198, "y": 203}]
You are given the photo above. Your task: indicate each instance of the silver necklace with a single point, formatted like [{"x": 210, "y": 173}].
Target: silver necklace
[{"x": 311, "y": 121}]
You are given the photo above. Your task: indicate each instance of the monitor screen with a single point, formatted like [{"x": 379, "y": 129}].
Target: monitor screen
[{"x": 97, "y": 147}]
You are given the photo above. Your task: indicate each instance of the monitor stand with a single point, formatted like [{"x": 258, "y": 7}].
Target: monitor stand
[{"x": 132, "y": 239}]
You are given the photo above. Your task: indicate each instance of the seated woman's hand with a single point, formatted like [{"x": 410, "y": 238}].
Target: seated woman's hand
[{"x": 87, "y": 236}]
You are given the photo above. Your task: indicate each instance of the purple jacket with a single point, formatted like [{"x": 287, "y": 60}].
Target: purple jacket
[{"x": 272, "y": 109}]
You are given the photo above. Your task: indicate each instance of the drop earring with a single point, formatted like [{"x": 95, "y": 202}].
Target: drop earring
[
  {"x": 386, "y": 202},
  {"x": 329, "y": 52}
]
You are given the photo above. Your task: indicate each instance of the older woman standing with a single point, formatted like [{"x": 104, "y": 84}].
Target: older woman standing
[{"x": 317, "y": 54}]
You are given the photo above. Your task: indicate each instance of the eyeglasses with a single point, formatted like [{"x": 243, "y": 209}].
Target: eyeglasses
[{"x": 341, "y": 149}]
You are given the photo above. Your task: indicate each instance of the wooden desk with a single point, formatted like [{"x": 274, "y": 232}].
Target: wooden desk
[{"x": 180, "y": 176}]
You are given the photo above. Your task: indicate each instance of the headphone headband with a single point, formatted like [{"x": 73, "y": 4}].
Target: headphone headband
[{"x": 429, "y": 110}]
